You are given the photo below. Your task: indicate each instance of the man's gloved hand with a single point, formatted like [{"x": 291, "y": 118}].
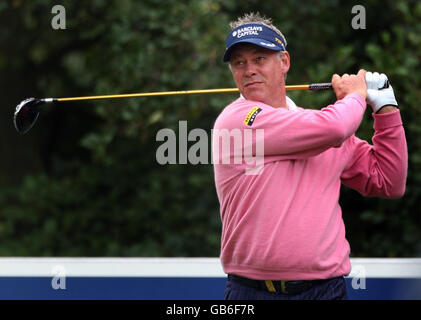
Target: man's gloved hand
[{"x": 376, "y": 96}]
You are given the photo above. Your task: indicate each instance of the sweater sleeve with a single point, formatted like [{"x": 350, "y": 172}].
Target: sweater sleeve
[
  {"x": 292, "y": 135},
  {"x": 379, "y": 169}
]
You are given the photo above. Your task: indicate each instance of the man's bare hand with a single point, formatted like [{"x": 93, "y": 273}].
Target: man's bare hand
[{"x": 348, "y": 84}]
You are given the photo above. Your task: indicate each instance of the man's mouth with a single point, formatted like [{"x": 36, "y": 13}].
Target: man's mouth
[{"x": 252, "y": 84}]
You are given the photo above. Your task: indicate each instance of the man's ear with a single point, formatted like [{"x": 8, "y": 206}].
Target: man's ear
[{"x": 285, "y": 59}]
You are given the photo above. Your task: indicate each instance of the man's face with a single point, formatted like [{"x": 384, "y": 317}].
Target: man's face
[{"x": 259, "y": 73}]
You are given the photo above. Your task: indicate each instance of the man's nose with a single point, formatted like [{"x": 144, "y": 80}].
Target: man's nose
[{"x": 250, "y": 70}]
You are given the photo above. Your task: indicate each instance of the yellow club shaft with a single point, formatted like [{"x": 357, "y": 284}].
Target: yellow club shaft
[{"x": 170, "y": 93}]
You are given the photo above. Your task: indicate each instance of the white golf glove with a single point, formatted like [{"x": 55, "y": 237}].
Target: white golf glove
[{"x": 376, "y": 96}]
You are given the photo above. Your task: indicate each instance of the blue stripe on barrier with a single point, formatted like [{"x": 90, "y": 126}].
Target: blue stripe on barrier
[
  {"x": 174, "y": 288},
  {"x": 102, "y": 288},
  {"x": 386, "y": 289}
]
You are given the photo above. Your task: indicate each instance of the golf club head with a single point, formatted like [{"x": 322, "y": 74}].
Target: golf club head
[{"x": 26, "y": 114}]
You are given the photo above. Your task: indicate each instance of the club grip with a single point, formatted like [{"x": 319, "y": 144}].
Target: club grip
[{"x": 320, "y": 86}]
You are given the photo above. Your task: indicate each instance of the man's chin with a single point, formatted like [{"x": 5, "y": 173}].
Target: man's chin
[{"x": 253, "y": 97}]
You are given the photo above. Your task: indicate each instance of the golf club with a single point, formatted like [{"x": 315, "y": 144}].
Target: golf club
[{"x": 27, "y": 111}]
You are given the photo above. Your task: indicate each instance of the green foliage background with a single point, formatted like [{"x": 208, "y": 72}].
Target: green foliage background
[{"x": 85, "y": 181}]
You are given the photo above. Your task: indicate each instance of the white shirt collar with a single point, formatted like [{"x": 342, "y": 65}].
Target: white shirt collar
[{"x": 291, "y": 104}]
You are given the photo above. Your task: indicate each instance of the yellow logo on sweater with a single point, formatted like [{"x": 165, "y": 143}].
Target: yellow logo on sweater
[{"x": 251, "y": 116}]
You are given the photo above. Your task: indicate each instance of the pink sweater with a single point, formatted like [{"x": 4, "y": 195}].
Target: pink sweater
[{"x": 285, "y": 223}]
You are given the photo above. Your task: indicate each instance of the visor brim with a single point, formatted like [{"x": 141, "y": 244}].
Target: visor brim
[{"x": 256, "y": 41}]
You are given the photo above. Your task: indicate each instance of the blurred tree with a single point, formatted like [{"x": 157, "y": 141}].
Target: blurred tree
[{"x": 85, "y": 181}]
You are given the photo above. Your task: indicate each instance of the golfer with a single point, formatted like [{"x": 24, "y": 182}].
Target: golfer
[{"x": 283, "y": 236}]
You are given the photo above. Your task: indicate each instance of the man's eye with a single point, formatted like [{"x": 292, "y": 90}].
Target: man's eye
[{"x": 260, "y": 59}]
